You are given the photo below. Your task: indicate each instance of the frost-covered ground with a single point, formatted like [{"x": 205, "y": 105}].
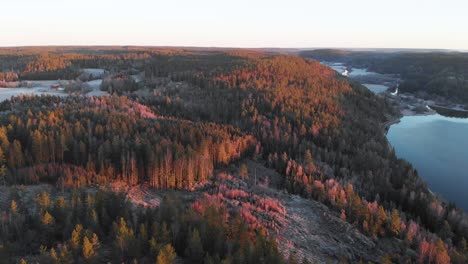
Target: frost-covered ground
[
  {"x": 94, "y": 72},
  {"x": 7, "y": 93},
  {"x": 138, "y": 77},
  {"x": 32, "y": 88},
  {"x": 95, "y": 85},
  {"x": 43, "y": 88}
]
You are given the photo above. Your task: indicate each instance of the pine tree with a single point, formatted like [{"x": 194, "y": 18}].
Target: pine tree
[
  {"x": 65, "y": 255},
  {"x": 309, "y": 162},
  {"x": 395, "y": 223},
  {"x": 75, "y": 239},
  {"x": 43, "y": 200},
  {"x": 292, "y": 259},
  {"x": 3, "y": 169},
  {"x": 244, "y": 172},
  {"x": 47, "y": 219},
  {"x": 153, "y": 246},
  {"x": 54, "y": 256},
  {"x": 37, "y": 146},
  {"x": 13, "y": 207},
  {"x": 166, "y": 255},
  {"x": 194, "y": 250},
  {"x": 385, "y": 260},
  {"x": 442, "y": 256},
  {"x": 123, "y": 235},
  {"x": 88, "y": 249},
  {"x": 95, "y": 241},
  {"x": 4, "y": 138},
  {"x": 462, "y": 246}
]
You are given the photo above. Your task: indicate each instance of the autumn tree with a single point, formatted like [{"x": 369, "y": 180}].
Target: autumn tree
[
  {"x": 123, "y": 236},
  {"x": 3, "y": 169},
  {"x": 166, "y": 255},
  {"x": 15, "y": 157},
  {"x": 47, "y": 219},
  {"x": 43, "y": 200},
  {"x": 37, "y": 146},
  {"x": 395, "y": 223},
  {"x": 75, "y": 240},
  {"x": 442, "y": 256},
  {"x": 88, "y": 249},
  {"x": 53, "y": 254},
  {"x": 310, "y": 166},
  {"x": 13, "y": 207},
  {"x": 243, "y": 171}
]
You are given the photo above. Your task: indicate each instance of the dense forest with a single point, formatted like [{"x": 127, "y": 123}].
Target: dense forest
[
  {"x": 111, "y": 138},
  {"x": 437, "y": 73},
  {"x": 102, "y": 227},
  {"x": 306, "y": 128},
  {"x": 199, "y": 110}
]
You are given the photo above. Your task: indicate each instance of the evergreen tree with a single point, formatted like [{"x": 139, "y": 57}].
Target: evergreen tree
[
  {"x": 13, "y": 207},
  {"x": 292, "y": 259},
  {"x": 395, "y": 223},
  {"x": 54, "y": 256},
  {"x": 243, "y": 171},
  {"x": 3, "y": 169},
  {"x": 75, "y": 240},
  {"x": 166, "y": 255},
  {"x": 47, "y": 219},
  {"x": 88, "y": 249},
  {"x": 463, "y": 246},
  {"x": 194, "y": 250}
]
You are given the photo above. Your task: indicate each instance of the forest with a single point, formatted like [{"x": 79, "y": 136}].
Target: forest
[
  {"x": 435, "y": 73},
  {"x": 102, "y": 227},
  {"x": 198, "y": 111}
]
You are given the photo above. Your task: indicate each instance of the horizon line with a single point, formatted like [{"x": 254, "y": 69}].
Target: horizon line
[{"x": 236, "y": 47}]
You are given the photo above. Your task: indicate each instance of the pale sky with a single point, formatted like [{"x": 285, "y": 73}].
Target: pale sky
[{"x": 237, "y": 23}]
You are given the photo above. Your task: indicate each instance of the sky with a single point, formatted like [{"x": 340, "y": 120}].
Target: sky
[{"x": 438, "y": 24}]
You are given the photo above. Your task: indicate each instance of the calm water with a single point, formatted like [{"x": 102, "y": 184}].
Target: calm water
[
  {"x": 437, "y": 147},
  {"x": 376, "y": 88},
  {"x": 340, "y": 67},
  {"x": 356, "y": 72}
]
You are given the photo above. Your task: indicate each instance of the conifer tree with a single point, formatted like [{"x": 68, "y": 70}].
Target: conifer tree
[
  {"x": 75, "y": 239},
  {"x": 166, "y": 255},
  {"x": 395, "y": 223},
  {"x": 244, "y": 172},
  {"x": 88, "y": 249},
  {"x": 194, "y": 250},
  {"x": 47, "y": 219},
  {"x": 3, "y": 169},
  {"x": 13, "y": 207}
]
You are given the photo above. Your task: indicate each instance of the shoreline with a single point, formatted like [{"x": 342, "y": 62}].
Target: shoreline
[{"x": 402, "y": 106}]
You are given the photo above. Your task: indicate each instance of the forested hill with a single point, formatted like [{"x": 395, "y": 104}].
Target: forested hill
[
  {"x": 325, "y": 129},
  {"x": 434, "y": 73},
  {"x": 198, "y": 111}
]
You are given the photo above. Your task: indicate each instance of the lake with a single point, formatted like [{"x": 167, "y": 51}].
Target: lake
[
  {"x": 437, "y": 146},
  {"x": 357, "y": 72},
  {"x": 376, "y": 88}
]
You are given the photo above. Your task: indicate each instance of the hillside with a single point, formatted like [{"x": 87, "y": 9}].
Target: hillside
[
  {"x": 434, "y": 73},
  {"x": 265, "y": 152}
]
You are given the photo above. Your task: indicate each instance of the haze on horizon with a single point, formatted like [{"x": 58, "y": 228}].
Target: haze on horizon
[{"x": 428, "y": 24}]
